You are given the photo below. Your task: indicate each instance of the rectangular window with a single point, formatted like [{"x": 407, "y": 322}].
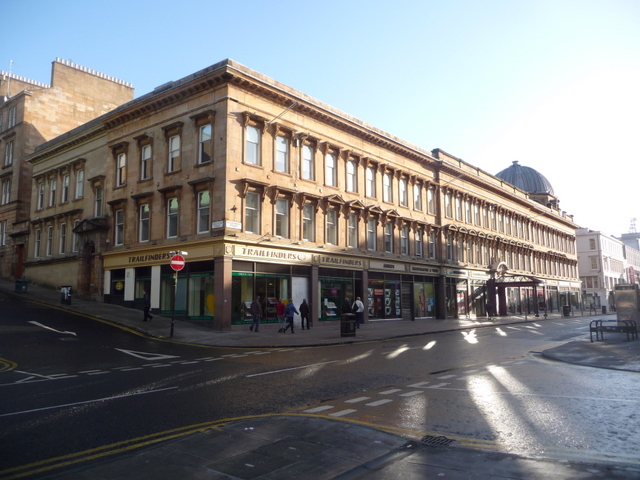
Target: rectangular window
[
  {"x": 40, "y": 196},
  {"x": 330, "y": 170},
  {"x": 12, "y": 116},
  {"x": 98, "y": 202},
  {"x": 388, "y": 237},
  {"x": 431, "y": 207},
  {"x": 144, "y": 223},
  {"x": 308, "y": 167},
  {"x": 370, "y": 182},
  {"x": 467, "y": 210},
  {"x": 6, "y": 191},
  {"x": 404, "y": 240},
  {"x": 252, "y": 145},
  {"x": 478, "y": 252},
  {"x": 594, "y": 263},
  {"x": 458, "y": 209},
  {"x": 449, "y": 248},
  {"x": 432, "y": 245},
  {"x": 371, "y": 234},
  {"x": 282, "y": 154},
  {"x": 386, "y": 188},
  {"x": 204, "y": 141},
  {"x": 204, "y": 202},
  {"x": 460, "y": 250},
  {"x": 172, "y": 218},
  {"x": 501, "y": 222},
  {"x": 63, "y": 238},
  {"x": 79, "y": 183},
  {"x": 8, "y": 154},
  {"x": 402, "y": 192},
  {"x": 448, "y": 208},
  {"x": 469, "y": 251},
  {"x": 352, "y": 179},
  {"x": 121, "y": 170},
  {"x": 417, "y": 197},
  {"x": 36, "y": 249},
  {"x": 145, "y": 162},
  {"x": 352, "y": 237},
  {"x": 592, "y": 244},
  {"x": 74, "y": 238},
  {"x": 494, "y": 226},
  {"x": 308, "y": 222},
  {"x": 0, "y": 122},
  {"x": 49, "y": 246},
  {"x": 485, "y": 217},
  {"x": 419, "y": 242},
  {"x": 282, "y": 218},
  {"x": 65, "y": 188},
  {"x": 252, "y": 212},
  {"x": 52, "y": 192},
  {"x": 507, "y": 221},
  {"x": 174, "y": 154},
  {"x": 332, "y": 227},
  {"x": 119, "y": 230},
  {"x": 476, "y": 211},
  {"x": 3, "y": 232}
]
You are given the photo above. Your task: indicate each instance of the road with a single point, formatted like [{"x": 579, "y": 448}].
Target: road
[{"x": 80, "y": 385}]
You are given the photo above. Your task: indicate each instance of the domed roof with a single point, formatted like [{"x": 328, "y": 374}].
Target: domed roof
[{"x": 526, "y": 178}]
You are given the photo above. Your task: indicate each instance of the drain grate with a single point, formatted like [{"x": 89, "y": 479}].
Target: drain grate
[{"x": 432, "y": 441}]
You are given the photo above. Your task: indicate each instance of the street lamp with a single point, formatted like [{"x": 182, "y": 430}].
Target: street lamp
[{"x": 177, "y": 263}]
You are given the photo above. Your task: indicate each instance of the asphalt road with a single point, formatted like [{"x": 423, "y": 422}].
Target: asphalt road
[{"x": 80, "y": 384}]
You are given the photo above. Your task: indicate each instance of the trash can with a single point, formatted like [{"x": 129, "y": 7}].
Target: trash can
[
  {"x": 21, "y": 285},
  {"x": 348, "y": 325},
  {"x": 604, "y": 309},
  {"x": 566, "y": 310},
  {"x": 65, "y": 295}
]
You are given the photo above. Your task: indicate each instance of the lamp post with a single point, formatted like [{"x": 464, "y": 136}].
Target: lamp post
[{"x": 177, "y": 263}]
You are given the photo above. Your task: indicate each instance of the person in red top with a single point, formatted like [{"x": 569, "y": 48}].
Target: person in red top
[{"x": 280, "y": 314}]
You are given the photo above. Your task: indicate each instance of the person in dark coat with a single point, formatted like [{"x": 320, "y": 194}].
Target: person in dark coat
[
  {"x": 147, "y": 306},
  {"x": 289, "y": 312},
  {"x": 304, "y": 314},
  {"x": 256, "y": 313},
  {"x": 346, "y": 306}
]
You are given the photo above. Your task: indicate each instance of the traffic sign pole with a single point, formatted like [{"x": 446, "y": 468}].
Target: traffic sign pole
[{"x": 177, "y": 263}]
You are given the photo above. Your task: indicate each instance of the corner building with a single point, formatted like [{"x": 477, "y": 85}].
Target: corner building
[{"x": 275, "y": 194}]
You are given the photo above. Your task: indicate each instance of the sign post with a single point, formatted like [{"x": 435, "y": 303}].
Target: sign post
[{"x": 177, "y": 263}]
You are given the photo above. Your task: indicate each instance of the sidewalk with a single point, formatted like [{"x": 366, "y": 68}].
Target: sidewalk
[{"x": 298, "y": 446}]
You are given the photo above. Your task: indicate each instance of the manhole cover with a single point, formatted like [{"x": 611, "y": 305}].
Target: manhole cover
[{"x": 432, "y": 441}]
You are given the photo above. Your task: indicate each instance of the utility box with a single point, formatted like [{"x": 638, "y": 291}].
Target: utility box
[{"x": 627, "y": 301}]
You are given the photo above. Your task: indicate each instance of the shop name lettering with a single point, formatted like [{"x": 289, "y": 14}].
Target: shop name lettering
[
  {"x": 149, "y": 258},
  {"x": 341, "y": 261},
  {"x": 256, "y": 252}
]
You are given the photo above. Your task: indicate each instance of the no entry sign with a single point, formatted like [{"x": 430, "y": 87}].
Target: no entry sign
[{"x": 177, "y": 262}]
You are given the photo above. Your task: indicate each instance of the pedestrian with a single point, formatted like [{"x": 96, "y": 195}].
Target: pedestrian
[
  {"x": 358, "y": 309},
  {"x": 304, "y": 314},
  {"x": 289, "y": 311},
  {"x": 346, "y": 306},
  {"x": 147, "y": 306},
  {"x": 256, "y": 313},
  {"x": 280, "y": 315}
]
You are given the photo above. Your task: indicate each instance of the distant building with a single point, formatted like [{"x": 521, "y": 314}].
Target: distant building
[
  {"x": 275, "y": 194},
  {"x": 31, "y": 113}
]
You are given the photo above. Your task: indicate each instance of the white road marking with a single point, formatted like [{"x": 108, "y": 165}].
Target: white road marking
[
  {"x": 444, "y": 377},
  {"x": 342, "y": 413},
  {"x": 38, "y": 324},
  {"x": 130, "y": 369},
  {"x": 419, "y": 385},
  {"x": 319, "y": 409},
  {"x": 356, "y": 400},
  {"x": 410, "y": 394},
  {"x": 379, "y": 402},
  {"x": 86, "y": 401},
  {"x": 146, "y": 355},
  {"x": 439, "y": 385},
  {"x": 389, "y": 392},
  {"x": 290, "y": 369}
]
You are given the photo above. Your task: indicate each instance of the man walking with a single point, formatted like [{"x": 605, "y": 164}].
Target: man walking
[
  {"x": 280, "y": 315},
  {"x": 358, "y": 309},
  {"x": 289, "y": 311},
  {"x": 147, "y": 306},
  {"x": 304, "y": 314},
  {"x": 256, "y": 313}
]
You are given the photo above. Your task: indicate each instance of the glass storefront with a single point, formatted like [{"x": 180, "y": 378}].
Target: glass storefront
[
  {"x": 335, "y": 286},
  {"x": 424, "y": 300},
  {"x": 384, "y": 296}
]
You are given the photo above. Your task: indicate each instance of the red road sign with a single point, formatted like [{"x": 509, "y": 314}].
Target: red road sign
[{"x": 177, "y": 262}]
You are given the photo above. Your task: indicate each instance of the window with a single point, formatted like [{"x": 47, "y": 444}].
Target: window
[
  {"x": 332, "y": 227},
  {"x": 485, "y": 217},
  {"x": 121, "y": 170},
  {"x": 252, "y": 212},
  {"x": 458, "y": 209},
  {"x": 388, "y": 237},
  {"x": 467, "y": 211},
  {"x": 98, "y": 202},
  {"x": 450, "y": 247},
  {"x": 119, "y": 230},
  {"x": 36, "y": 249},
  {"x": 172, "y": 218},
  {"x": 308, "y": 166},
  {"x": 507, "y": 221},
  {"x": 12, "y": 116},
  {"x": 145, "y": 162},
  {"x": 79, "y": 184},
  {"x": 592, "y": 243},
  {"x": 493, "y": 220},
  {"x": 65, "y": 188},
  {"x": 417, "y": 196},
  {"x": 402, "y": 192},
  {"x": 371, "y": 234},
  {"x": 0, "y": 122},
  {"x": 308, "y": 222},
  {"x": 282, "y": 218},
  {"x": 52, "y": 192},
  {"x": 476, "y": 211},
  {"x": 282, "y": 154},
  {"x": 204, "y": 142},
  {"x": 430, "y": 201},
  {"x": 6, "y": 191},
  {"x": 478, "y": 252},
  {"x": 448, "y": 208},
  {"x": 370, "y": 182},
  {"x": 174, "y": 154},
  {"x": 204, "y": 202},
  {"x": 252, "y": 145},
  {"x": 469, "y": 256},
  {"x": 3, "y": 232},
  {"x": 74, "y": 238},
  {"x": 460, "y": 250},
  {"x": 63, "y": 237},
  {"x": 49, "y": 246},
  {"x": 8, "y": 154},
  {"x": 40, "y": 196},
  {"x": 432, "y": 245},
  {"x": 352, "y": 236},
  {"x": 404, "y": 240},
  {"x": 144, "y": 223},
  {"x": 419, "y": 242},
  {"x": 352, "y": 179},
  {"x": 386, "y": 188},
  {"x": 594, "y": 263},
  {"x": 500, "y": 222},
  {"x": 330, "y": 170}
]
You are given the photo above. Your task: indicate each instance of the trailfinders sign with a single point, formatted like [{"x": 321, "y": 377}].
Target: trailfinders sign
[{"x": 275, "y": 255}]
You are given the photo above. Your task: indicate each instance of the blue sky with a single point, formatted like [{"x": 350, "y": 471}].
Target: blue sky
[{"x": 554, "y": 84}]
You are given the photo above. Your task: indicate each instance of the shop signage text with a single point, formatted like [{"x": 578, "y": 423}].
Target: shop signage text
[
  {"x": 413, "y": 268},
  {"x": 266, "y": 253},
  {"x": 154, "y": 257},
  {"x": 339, "y": 261}
]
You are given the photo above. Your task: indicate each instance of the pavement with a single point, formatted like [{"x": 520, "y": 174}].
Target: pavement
[{"x": 311, "y": 446}]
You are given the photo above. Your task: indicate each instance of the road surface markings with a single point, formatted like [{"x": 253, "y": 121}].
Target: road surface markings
[
  {"x": 419, "y": 384},
  {"x": 439, "y": 385},
  {"x": 319, "y": 409},
  {"x": 342, "y": 413},
  {"x": 290, "y": 369},
  {"x": 389, "y": 392},
  {"x": 359, "y": 399},
  {"x": 411, "y": 394},
  {"x": 378, "y": 402},
  {"x": 444, "y": 377},
  {"x": 38, "y": 324},
  {"x": 146, "y": 355},
  {"x": 115, "y": 397}
]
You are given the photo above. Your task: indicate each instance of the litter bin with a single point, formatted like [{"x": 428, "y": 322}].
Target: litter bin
[
  {"x": 65, "y": 295},
  {"x": 604, "y": 309},
  {"x": 21, "y": 285},
  {"x": 348, "y": 325},
  {"x": 566, "y": 310}
]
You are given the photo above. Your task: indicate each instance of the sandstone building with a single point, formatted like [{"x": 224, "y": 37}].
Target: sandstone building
[{"x": 275, "y": 194}]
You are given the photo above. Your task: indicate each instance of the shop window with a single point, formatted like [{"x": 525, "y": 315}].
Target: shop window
[
  {"x": 172, "y": 218},
  {"x": 204, "y": 144},
  {"x": 308, "y": 222},
  {"x": 282, "y": 218},
  {"x": 144, "y": 223},
  {"x": 252, "y": 212},
  {"x": 204, "y": 202}
]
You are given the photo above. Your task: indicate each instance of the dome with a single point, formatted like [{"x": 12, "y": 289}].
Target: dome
[{"x": 526, "y": 178}]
